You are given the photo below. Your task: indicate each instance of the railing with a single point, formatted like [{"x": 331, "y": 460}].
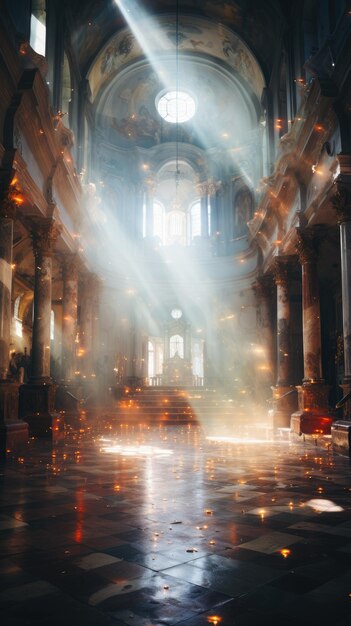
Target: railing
[{"x": 157, "y": 381}]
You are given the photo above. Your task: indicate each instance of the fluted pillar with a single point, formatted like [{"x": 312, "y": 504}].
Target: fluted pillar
[
  {"x": 284, "y": 392},
  {"x": 69, "y": 316},
  {"x": 313, "y": 416},
  {"x": 13, "y": 432}
]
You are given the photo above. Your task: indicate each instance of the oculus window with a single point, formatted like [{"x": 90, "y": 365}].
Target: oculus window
[{"x": 176, "y": 106}]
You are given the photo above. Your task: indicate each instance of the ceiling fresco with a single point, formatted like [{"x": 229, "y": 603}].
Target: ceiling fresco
[
  {"x": 94, "y": 22},
  {"x": 196, "y": 36},
  {"x": 129, "y": 116}
]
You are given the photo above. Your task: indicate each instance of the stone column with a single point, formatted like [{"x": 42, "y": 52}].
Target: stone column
[
  {"x": 95, "y": 322},
  {"x": 86, "y": 327},
  {"x": 149, "y": 202},
  {"x": 284, "y": 392},
  {"x": 313, "y": 416},
  {"x": 212, "y": 192},
  {"x": 265, "y": 298},
  {"x": 341, "y": 429},
  {"x": 7, "y": 215},
  {"x": 38, "y": 396},
  {"x": 13, "y": 432},
  {"x": 44, "y": 234},
  {"x": 342, "y": 204},
  {"x": 202, "y": 190},
  {"x": 69, "y": 317}
]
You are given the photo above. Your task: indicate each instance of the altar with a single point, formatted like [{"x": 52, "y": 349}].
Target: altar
[{"x": 177, "y": 371}]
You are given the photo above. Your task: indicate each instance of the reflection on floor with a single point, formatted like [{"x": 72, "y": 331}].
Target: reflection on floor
[{"x": 138, "y": 525}]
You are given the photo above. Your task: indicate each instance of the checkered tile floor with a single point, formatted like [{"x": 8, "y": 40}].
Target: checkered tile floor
[{"x": 143, "y": 526}]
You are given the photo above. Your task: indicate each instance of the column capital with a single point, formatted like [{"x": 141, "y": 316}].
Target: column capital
[
  {"x": 264, "y": 286},
  {"x": 202, "y": 189},
  {"x": 44, "y": 233},
  {"x": 149, "y": 184},
  {"x": 8, "y": 208},
  {"x": 90, "y": 281},
  {"x": 306, "y": 246},
  {"x": 341, "y": 199},
  {"x": 213, "y": 187},
  {"x": 70, "y": 264},
  {"x": 281, "y": 270}
]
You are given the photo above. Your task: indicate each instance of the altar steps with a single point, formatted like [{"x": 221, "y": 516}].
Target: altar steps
[{"x": 175, "y": 405}]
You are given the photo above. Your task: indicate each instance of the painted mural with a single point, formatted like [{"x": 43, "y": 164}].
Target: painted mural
[
  {"x": 130, "y": 110},
  {"x": 198, "y": 36}
]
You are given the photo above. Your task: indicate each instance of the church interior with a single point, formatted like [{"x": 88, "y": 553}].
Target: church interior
[{"x": 175, "y": 315}]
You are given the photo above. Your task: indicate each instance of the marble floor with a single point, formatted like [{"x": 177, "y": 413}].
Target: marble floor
[{"x": 147, "y": 525}]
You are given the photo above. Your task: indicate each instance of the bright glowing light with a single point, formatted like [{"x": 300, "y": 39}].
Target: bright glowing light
[
  {"x": 242, "y": 440},
  {"x": 324, "y": 506},
  {"x": 285, "y": 552},
  {"x": 110, "y": 447},
  {"x": 176, "y": 106}
]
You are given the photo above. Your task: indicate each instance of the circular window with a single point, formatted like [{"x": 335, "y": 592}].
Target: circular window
[
  {"x": 176, "y": 314},
  {"x": 175, "y": 106}
]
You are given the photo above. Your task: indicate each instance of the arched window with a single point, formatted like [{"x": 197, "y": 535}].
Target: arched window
[
  {"x": 195, "y": 220},
  {"x": 176, "y": 346},
  {"x": 198, "y": 358},
  {"x": 158, "y": 220},
  {"x": 18, "y": 321},
  {"x": 66, "y": 91},
  {"x": 151, "y": 359},
  {"x": 52, "y": 325},
  {"x": 37, "y": 38},
  {"x": 176, "y": 228}
]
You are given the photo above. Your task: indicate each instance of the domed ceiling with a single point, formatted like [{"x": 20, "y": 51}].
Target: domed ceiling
[
  {"x": 224, "y": 114},
  {"x": 211, "y": 64}
]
